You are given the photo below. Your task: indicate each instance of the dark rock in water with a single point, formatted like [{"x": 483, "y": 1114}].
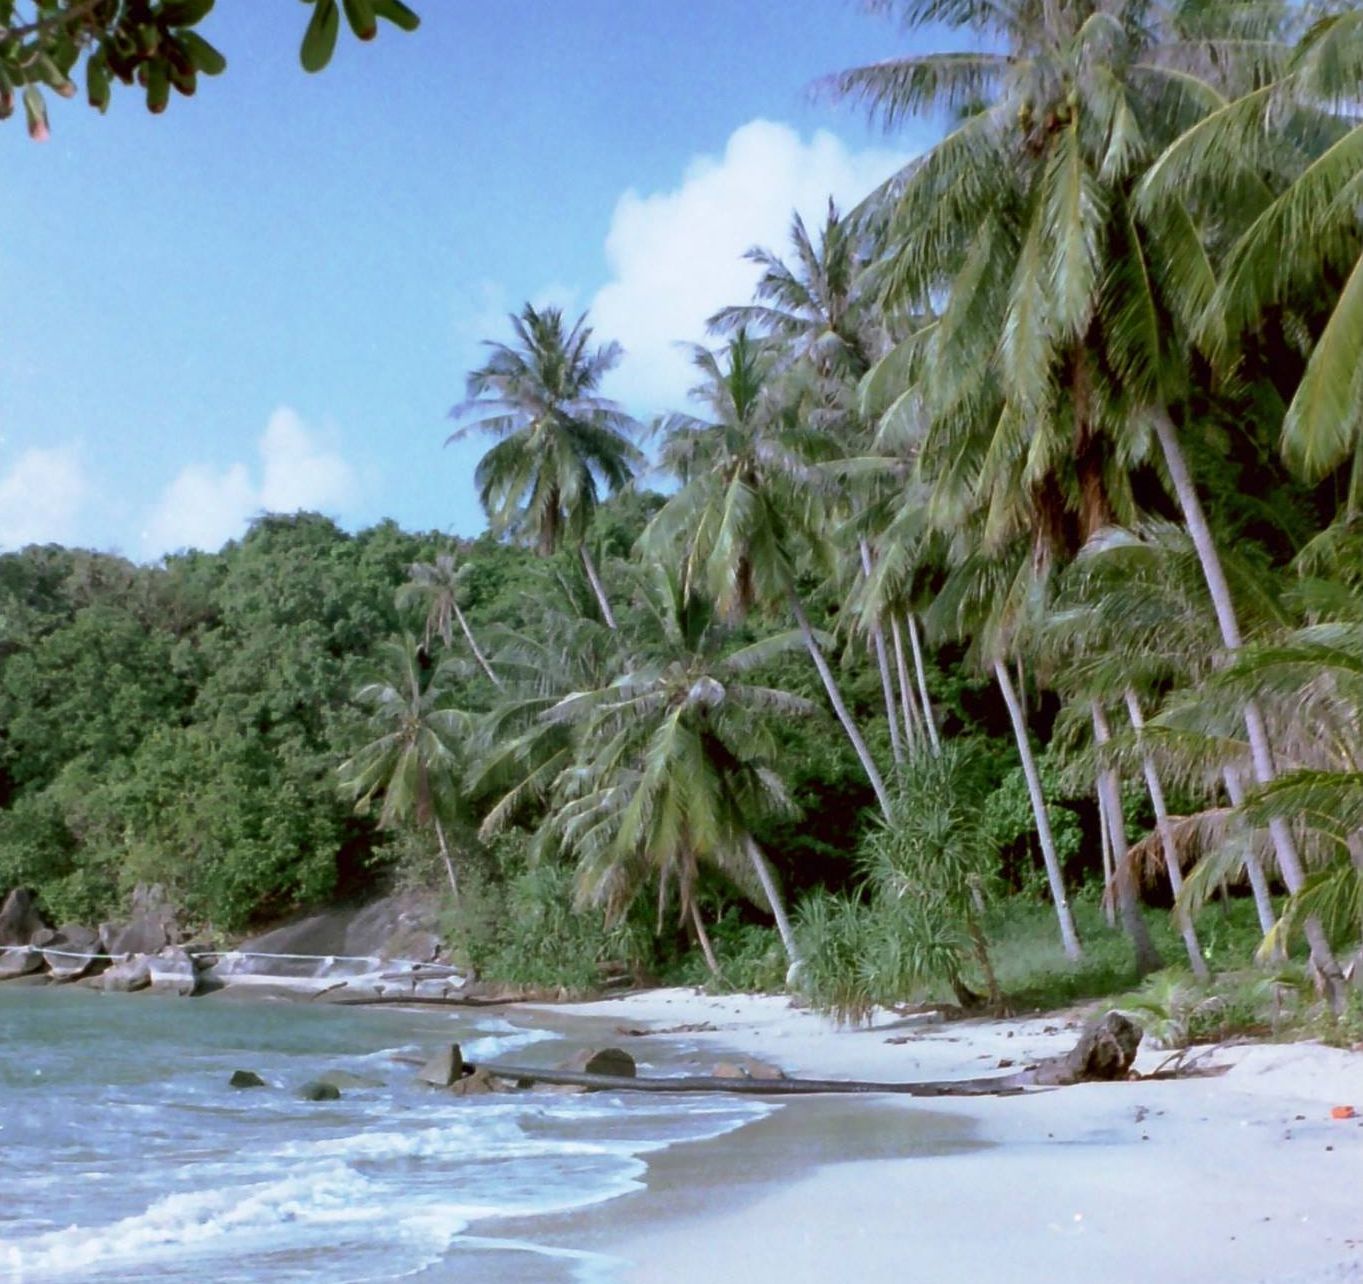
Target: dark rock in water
[
  {"x": 19, "y": 960},
  {"x": 613, "y": 1061},
  {"x": 69, "y": 952},
  {"x": 130, "y": 974},
  {"x": 316, "y": 1090},
  {"x": 172, "y": 972},
  {"x": 747, "y": 1068},
  {"x": 245, "y": 1079},
  {"x": 150, "y": 927},
  {"x": 443, "y": 1069},
  {"x": 19, "y": 918}
]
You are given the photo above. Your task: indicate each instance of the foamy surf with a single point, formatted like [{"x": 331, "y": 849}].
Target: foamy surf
[{"x": 172, "y": 1176}]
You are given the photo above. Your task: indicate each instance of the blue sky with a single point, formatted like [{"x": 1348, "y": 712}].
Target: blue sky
[{"x": 268, "y": 297}]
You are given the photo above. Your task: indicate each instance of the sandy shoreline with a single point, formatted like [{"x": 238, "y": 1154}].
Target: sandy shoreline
[{"x": 1240, "y": 1177}]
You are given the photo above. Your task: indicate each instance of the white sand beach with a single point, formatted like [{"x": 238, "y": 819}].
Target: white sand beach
[{"x": 1244, "y": 1176}]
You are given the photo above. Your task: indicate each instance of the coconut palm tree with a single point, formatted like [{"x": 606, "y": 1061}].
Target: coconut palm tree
[
  {"x": 986, "y": 600},
  {"x": 560, "y": 443},
  {"x": 439, "y": 587},
  {"x": 413, "y": 764},
  {"x": 747, "y": 493},
  {"x": 671, "y": 766},
  {"x": 1055, "y": 337}
]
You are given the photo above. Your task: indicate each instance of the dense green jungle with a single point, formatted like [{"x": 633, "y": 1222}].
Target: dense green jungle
[{"x": 989, "y": 628}]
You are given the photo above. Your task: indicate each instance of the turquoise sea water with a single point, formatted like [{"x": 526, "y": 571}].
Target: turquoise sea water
[{"x": 125, "y": 1156}]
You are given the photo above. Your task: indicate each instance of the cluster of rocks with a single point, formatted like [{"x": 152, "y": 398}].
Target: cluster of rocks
[
  {"x": 387, "y": 950},
  {"x": 143, "y": 952}
]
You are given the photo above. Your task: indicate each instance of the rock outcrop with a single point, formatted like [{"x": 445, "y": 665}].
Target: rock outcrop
[
  {"x": 19, "y": 918},
  {"x": 67, "y": 951},
  {"x": 19, "y": 960},
  {"x": 125, "y": 976},
  {"x": 150, "y": 926},
  {"x": 172, "y": 972}
]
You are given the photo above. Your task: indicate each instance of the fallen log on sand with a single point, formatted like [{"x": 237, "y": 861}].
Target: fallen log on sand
[{"x": 1105, "y": 1051}]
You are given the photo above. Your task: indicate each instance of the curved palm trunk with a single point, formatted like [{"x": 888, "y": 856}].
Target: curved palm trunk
[
  {"x": 1155, "y": 788},
  {"x": 839, "y": 707},
  {"x": 1068, "y": 935},
  {"x": 1109, "y": 891},
  {"x": 1263, "y": 901},
  {"x": 595, "y": 580},
  {"x": 1128, "y": 901},
  {"x": 704, "y": 938},
  {"x": 922, "y": 681},
  {"x": 906, "y": 700},
  {"x": 883, "y": 662},
  {"x": 473, "y": 646},
  {"x": 445, "y": 856},
  {"x": 774, "y": 902},
  {"x": 1261, "y": 753}
]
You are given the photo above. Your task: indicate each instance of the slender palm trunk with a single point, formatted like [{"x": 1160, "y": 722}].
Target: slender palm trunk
[
  {"x": 883, "y": 662},
  {"x": 1263, "y": 901},
  {"x": 922, "y": 681},
  {"x": 1109, "y": 890},
  {"x": 595, "y": 580},
  {"x": 1124, "y": 878},
  {"x": 445, "y": 856},
  {"x": 704, "y": 938},
  {"x": 912, "y": 730},
  {"x": 1043, "y": 824},
  {"x": 1155, "y": 788},
  {"x": 839, "y": 707},
  {"x": 774, "y": 902},
  {"x": 473, "y": 646},
  {"x": 1261, "y": 754}
]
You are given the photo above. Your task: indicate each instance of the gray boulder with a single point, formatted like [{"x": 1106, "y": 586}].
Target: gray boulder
[
  {"x": 68, "y": 953},
  {"x": 19, "y": 960},
  {"x": 150, "y": 927},
  {"x": 443, "y": 1069},
  {"x": 172, "y": 972},
  {"x": 19, "y": 918},
  {"x": 127, "y": 975},
  {"x": 245, "y": 1079}
]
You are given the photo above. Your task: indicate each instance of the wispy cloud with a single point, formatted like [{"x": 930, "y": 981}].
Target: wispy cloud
[
  {"x": 42, "y": 494},
  {"x": 204, "y": 507}
]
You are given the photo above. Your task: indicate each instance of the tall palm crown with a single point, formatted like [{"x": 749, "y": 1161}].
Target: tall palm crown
[
  {"x": 560, "y": 443},
  {"x": 1059, "y": 300},
  {"x": 1288, "y": 153},
  {"x": 737, "y": 510},
  {"x": 815, "y": 304},
  {"x": 671, "y": 765}
]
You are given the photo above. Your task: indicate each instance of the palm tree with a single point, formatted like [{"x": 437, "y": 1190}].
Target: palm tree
[
  {"x": 747, "y": 490},
  {"x": 560, "y": 442},
  {"x": 987, "y": 600},
  {"x": 670, "y": 770},
  {"x": 414, "y": 760},
  {"x": 1060, "y": 287},
  {"x": 439, "y": 586}
]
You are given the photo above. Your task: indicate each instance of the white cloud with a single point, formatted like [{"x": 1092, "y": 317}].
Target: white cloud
[
  {"x": 204, "y": 507},
  {"x": 41, "y": 495},
  {"x": 676, "y": 256}
]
